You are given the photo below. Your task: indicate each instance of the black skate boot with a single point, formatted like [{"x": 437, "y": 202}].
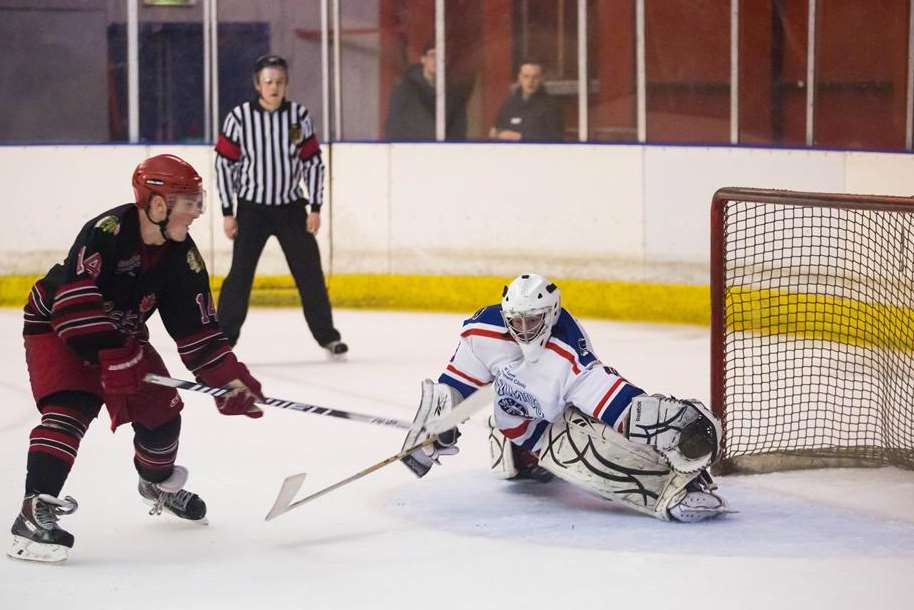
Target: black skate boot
[
  {"x": 336, "y": 350},
  {"x": 169, "y": 495},
  {"x": 528, "y": 466},
  {"x": 36, "y": 536}
]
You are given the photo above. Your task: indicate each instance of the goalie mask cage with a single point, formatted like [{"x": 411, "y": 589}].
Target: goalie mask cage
[{"x": 812, "y": 329}]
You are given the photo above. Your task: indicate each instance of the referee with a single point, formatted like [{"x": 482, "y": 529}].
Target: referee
[{"x": 266, "y": 150}]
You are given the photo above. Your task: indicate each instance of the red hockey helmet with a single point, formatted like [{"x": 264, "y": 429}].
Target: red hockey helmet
[{"x": 169, "y": 176}]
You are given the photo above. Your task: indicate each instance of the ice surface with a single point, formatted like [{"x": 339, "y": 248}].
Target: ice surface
[{"x": 456, "y": 539}]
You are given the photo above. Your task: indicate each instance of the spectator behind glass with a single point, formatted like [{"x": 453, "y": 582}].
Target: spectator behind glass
[
  {"x": 529, "y": 113},
  {"x": 411, "y": 113}
]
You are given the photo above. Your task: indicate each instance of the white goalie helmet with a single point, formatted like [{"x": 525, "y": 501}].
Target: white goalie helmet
[{"x": 530, "y": 306}]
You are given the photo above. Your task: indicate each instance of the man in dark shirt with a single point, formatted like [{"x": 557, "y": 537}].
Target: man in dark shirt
[
  {"x": 86, "y": 343},
  {"x": 411, "y": 115},
  {"x": 529, "y": 114}
]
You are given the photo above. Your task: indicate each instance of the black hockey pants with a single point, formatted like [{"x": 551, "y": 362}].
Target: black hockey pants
[{"x": 256, "y": 223}]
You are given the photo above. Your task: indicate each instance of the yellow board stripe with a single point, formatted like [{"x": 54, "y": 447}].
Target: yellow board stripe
[
  {"x": 820, "y": 317},
  {"x": 584, "y": 298}
]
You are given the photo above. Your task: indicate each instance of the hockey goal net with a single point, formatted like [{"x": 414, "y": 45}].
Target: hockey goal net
[{"x": 812, "y": 329}]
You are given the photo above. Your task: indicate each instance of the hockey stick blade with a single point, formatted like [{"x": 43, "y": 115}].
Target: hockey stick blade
[
  {"x": 287, "y": 492},
  {"x": 181, "y": 384},
  {"x": 292, "y": 484}
]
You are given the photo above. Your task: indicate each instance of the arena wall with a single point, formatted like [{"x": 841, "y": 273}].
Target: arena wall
[{"x": 625, "y": 227}]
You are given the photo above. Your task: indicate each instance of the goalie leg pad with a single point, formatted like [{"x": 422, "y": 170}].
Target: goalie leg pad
[
  {"x": 436, "y": 400},
  {"x": 508, "y": 461},
  {"x": 685, "y": 431},
  {"x": 501, "y": 457},
  {"x": 586, "y": 452}
]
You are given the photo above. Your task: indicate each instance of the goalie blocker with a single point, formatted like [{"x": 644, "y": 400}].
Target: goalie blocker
[{"x": 436, "y": 400}]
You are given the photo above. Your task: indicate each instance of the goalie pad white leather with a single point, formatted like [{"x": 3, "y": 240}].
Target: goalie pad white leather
[
  {"x": 586, "y": 452},
  {"x": 436, "y": 400},
  {"x": 685, "y": 431},
  {"x": 501, "y": 457}
]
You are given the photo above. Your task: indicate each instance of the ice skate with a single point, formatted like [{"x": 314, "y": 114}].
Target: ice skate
[
  {"x": 700, "y": 502},
  {"x": 36, "y": 535},
  {"x": 170, "y": 495},
  {"x": 336, "y": 350},
  {"x": 528, "y": 466}
]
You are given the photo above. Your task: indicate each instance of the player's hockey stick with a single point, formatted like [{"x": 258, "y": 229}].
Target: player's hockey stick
[
  {"x": 281, "y": 404},
  {"x": 292, "y": 484}
]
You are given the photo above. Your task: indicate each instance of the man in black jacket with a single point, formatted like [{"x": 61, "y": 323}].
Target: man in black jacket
[
  {"x": 411, "y": 115},
  {"x": 529, "y": 113}
]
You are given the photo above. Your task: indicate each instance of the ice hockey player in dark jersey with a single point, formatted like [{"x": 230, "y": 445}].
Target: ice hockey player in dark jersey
[
  {"x": 86, "y": 343},
  {"x": 559, "y": 411}
]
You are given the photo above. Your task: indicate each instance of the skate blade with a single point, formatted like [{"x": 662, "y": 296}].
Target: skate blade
[
  {"x": 336, "y": 357},
  {"x": 30, "y": 550}
]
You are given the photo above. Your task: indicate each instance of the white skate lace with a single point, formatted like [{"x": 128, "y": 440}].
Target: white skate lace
[
  {"x": 175, "y": 501},
  {"x": 49, "y": 509}
]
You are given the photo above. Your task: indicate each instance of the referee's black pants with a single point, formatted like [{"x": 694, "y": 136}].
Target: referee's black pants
[{"x": 256, "y": 223}]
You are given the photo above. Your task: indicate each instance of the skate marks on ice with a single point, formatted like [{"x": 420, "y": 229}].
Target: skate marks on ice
[{"x": 768, "y": 524}]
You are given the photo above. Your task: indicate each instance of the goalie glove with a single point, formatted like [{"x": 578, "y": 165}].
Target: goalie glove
[
  {"x": 437, "y": 399},
  {"x": 684, "y": 431}
]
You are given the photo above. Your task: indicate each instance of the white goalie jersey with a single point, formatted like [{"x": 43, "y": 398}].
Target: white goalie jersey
[{"x": 531, "y": 395}]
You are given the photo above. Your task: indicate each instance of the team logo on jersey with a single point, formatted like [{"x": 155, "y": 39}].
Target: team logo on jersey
[
  {"x": 147, "y": 303},
  {"x": 295, "y": 133},
  {"x": 91, "y": 265},
  {"x": 583, "y": 348},
  {"x": 194, "y": 260},
  {"x": 109, "y": 224},
  {"x": 128, "y": 265},
  {"x": 515, "y": 401}
]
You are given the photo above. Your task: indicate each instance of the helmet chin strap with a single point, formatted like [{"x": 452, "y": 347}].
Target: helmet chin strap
[{"x": 163, "y": 225}]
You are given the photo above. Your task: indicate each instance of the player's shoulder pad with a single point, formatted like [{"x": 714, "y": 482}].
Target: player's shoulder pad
[
  {"x": 107, "y": 225},
  {"x": 568, "y": 331},
  {"x": 490, "y": 315}
]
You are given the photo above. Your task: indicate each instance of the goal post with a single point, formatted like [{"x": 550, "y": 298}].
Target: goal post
[{"x": 812, "y": 329}]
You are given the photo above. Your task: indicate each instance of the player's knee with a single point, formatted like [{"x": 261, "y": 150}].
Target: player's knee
[{"x": 86, "y": 405}]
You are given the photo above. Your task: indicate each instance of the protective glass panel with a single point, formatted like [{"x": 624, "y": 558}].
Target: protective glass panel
[
  {"x": 403, "y": 81},
  {"x": 249, "y": 29},
  {"x": 861, "y": 84},
  {"x": 687, "y": 60},
  {"x": 64, "y": 72},
  {"x": 611, "y": 61},
  {"x": 772, "y": 65},
  {"x": 539, "y": 99},
  {"x": 172, "y": 101}
]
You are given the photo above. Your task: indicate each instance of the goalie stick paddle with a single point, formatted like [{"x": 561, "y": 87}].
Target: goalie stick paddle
[
  {"x": 292, "y": 484},
  {"x": 280, "y": 404}
]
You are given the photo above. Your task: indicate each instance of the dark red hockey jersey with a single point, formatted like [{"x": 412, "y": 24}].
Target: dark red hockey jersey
[{"x": 111, "y": 283}]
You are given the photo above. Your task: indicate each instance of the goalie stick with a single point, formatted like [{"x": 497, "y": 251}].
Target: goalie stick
[
  {"x": 292, "y": 484},
  {"x": 280, "y": 404}
]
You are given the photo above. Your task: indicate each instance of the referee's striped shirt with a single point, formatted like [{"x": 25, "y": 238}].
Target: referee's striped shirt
[{"x": 263, "y": 157}]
